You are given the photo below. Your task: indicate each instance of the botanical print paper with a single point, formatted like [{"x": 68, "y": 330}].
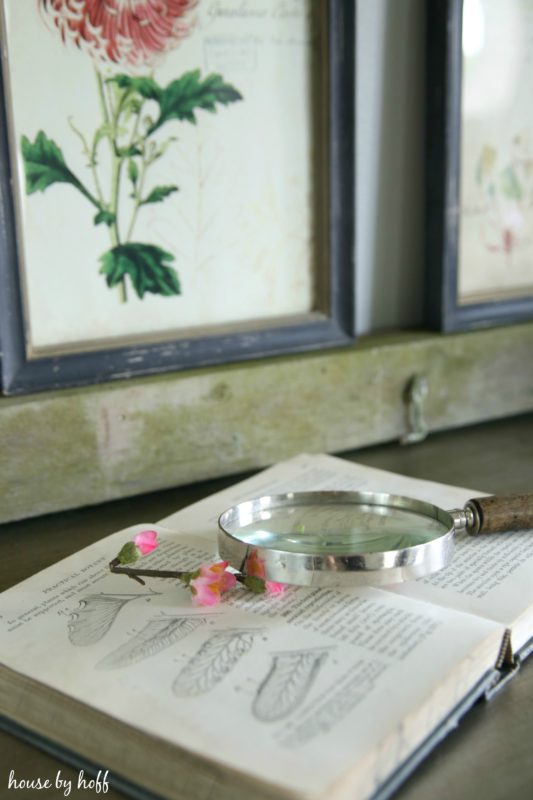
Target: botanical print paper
[
  {"x": 496, "y": 214},
  {"x": 164, "y": 177}
]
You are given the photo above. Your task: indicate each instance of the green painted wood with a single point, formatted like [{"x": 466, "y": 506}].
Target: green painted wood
[{"x": 77, "y": 447}]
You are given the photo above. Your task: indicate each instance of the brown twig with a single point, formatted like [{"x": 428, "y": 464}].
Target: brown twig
[
  {"x": 115, "y": 566},
  {"x": 134, "y": 574}
]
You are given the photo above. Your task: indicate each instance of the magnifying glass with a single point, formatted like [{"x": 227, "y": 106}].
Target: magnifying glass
[{"x": 338, "y": 538}]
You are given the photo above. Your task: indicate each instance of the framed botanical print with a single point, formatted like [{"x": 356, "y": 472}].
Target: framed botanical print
[
  {"x": 480, "y": 162},
  {"x": 176, "y": 184}
]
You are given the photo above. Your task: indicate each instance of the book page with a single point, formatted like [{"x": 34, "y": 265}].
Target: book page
[
  {"x": 318, "y": 682},
  {"x": 491, "y": 576}
]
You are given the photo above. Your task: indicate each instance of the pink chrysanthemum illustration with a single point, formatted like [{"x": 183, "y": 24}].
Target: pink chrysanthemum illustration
[
  {"x": 128, "y": 32},
  {"x": 125, "y": 38}
]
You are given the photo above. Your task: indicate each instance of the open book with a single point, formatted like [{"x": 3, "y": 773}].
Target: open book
[{"x": 316, "y": 693}]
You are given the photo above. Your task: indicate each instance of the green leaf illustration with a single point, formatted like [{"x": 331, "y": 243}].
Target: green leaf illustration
[
  {"x": 183, "y": 96},
  {"x": 105, "y": 217},
  {"x": 145, "y": 86},
  {"x": 146, "y": 265},
  {"x": 132, "y": 105},
  {"x": 510, "y": 185},
  {"x": 44, "y": 165},
  {"x": 130, "y": 150},
  {"x": 158, "y": 194},
  {"x": 133, "y": 172}
]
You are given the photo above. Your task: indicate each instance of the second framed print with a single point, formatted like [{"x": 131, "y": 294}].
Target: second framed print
[
  {"x": 480, "y": 162},
  {"x": 176, "y": 185}
]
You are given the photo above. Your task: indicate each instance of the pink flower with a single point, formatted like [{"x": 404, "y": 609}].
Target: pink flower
[
  {"x": 130, "y": 32},
  {"x": 272, "y": 587},
  {"x": 255, "y": 567},
  {"x": 210, "y": 582},
  {"x": 146, "y": 541}
]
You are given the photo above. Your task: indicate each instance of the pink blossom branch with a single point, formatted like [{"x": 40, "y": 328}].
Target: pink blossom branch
[
  {"x": 207, "y": 583},
  {"x": 135, "y": 574}
]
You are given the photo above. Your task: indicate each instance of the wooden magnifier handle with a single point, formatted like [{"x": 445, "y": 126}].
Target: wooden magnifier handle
[{"x": 496, "y": 514}]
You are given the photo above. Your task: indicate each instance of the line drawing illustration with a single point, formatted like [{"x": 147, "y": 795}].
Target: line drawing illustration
[
  {"x": 96, "y": 613},
  {"x": 158, "y": 634},
  {"x": 349, "y": 691},
  {"x": 325, "y": 718},
  {"x": 212, "y": 662},
  {"x": 287, "y": 683}
]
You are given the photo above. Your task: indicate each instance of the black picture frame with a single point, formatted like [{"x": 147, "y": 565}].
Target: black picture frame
[
  {"x": 332, "y": 328},
  {"x": 443, "y": 162}
]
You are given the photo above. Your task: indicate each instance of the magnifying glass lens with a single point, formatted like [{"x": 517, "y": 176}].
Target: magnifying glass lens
[{"x": 335, "y": 528}]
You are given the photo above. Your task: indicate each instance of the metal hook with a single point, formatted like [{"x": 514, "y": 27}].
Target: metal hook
[{"x": 414, "y": 397}]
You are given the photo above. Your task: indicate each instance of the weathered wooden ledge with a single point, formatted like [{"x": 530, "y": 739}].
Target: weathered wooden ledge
[{"x": 69, "y": 448}]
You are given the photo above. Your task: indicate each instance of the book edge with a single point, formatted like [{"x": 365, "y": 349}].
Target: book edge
[{"x": 482, "y": 689}]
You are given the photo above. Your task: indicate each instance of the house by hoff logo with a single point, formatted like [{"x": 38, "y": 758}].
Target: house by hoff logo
[{"x": 98, "y": 785}]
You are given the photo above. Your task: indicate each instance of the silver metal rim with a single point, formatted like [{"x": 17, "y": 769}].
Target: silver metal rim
[{"x": 347, "y": 569}]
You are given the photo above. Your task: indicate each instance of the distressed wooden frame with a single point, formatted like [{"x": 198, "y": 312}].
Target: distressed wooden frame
[
  {"x": 70, "y": 448},
  {"x": 330, "y": 325},
  {"x": 443, "y": 158}
]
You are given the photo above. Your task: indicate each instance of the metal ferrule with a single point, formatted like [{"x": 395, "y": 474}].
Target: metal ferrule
[{"x": 466, "y": 519}]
